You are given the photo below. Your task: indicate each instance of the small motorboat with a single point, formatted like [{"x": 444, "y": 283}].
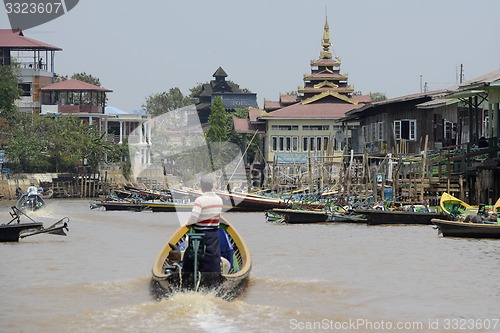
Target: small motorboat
[
  {"x": 30, "y": 202},
  {"x": 168, "y": 276},
  {"x": 13, "y": 230}
]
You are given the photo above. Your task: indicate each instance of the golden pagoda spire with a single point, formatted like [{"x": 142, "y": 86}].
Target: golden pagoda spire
[{"x": 326, "y": 54}]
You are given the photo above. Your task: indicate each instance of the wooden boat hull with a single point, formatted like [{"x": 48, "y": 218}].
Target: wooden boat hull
[
  {"x": 167, "y": 280},
  {"x": 118, "y": 206},
  {"x": 346, "y": 218},
  {"x": 168, "y": 206},
  {"x": 12, "y": 232},
  {"x": 467, "y": 229},
  {"x": 293, "y": 216},
  {"x": 377, "y": 217}
]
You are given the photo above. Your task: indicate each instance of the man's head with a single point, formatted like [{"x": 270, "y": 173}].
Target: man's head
[{"x": 206, "y": 183}]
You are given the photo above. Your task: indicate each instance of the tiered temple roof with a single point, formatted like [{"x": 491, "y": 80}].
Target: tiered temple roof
[
  {"x": 325, "y": 72},
  {"x": 325, "y": 86}
]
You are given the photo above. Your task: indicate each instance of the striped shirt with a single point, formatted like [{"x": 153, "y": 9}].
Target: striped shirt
[{"x": 206, "y": 211}]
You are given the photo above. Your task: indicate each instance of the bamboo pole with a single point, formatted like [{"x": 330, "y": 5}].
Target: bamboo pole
[{"x": 424, "y": 161}]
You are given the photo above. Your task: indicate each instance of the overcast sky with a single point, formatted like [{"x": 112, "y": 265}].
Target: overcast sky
[{"x": 145, "y": 47}]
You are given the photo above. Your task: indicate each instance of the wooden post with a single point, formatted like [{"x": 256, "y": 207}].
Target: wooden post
[
  {"x": 424, "y": 161},
  {"x": 461, "y": 183},
  {"x": 449, "y": 173}
]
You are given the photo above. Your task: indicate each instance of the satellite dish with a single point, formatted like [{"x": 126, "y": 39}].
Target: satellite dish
[{"x": 339, "y": 135}]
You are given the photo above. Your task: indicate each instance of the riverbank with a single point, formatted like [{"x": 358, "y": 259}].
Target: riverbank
[{"x": 63, "y": 185}]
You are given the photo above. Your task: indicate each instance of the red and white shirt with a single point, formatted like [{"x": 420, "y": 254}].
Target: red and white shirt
[{"x": 206, "y": 211}]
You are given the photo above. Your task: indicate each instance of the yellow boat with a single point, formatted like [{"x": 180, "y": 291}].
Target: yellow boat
[
  {"x": 236, "y": 264},
  {"x": 454, "y": 206},
  {"x": 496, "y": 209}
]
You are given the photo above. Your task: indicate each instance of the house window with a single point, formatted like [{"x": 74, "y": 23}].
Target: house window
[
  {"x": 312, "y": 146},
  {"x": 305, "y": 141},
  {"x": 316, "y": 127},
  {"x": 284, "y": 143},
  {"x": 295, "y": 143},
  {"x": 325, "y": 142},
  {"x": 26, "y": 88},
  {"x": 318, "y": 143},
  {"x": 373, "y": 130},
  {"x": 405, "y": 129},
  {"x": 285, "y": 127},
  {"x": 380, "y": 129}
]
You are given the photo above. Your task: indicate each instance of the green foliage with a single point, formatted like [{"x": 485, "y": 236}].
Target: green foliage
[
  {"x": 86, "y": 78},
  {"x": 218, "y": 121},
  {"x": 160, "y": 103},
  {"x": 40, "y": 144},
  {"x": 378, "y": 96},
  {"x": 9, "y": 89}
]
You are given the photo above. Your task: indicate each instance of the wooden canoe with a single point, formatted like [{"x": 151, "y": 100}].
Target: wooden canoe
[
  {"x": 168, "y": 278},
  {"x": 467, "y": 229},
  {"x": 301, "y": 215},
  {"x": 375, "y": 216}
]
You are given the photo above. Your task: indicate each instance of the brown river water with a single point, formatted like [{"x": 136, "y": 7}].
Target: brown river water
[{"x": 305, "y": 278}]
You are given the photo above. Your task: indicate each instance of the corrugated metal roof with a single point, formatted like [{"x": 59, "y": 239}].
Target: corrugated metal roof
[{"x": 15, "y": 39}]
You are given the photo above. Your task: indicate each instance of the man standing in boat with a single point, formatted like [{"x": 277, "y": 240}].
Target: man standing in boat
[{"x": 204, "y": 219}]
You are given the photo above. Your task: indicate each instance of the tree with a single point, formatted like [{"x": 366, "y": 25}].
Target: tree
[
  {"x": 61, "y": 144},
  {"x": 378, "y": 96},
  {"x": 218, "y": 121},
  {"x": 86, "y": 78},
  {"x": 9, "y": 89},
  {"x": 160, "y": 103}
]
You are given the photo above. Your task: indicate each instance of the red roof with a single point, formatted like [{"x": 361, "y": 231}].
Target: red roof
[
  {"x": 314, "y": 110},
  {"x": 73, "y": 85},
  {"x": 14, "y": 39},
  {"x": 254, "y": 114},
  {"x": 271, "y": 105},
  {"x": 288, "y": 99},
  {"x": 244, "y": 126}
]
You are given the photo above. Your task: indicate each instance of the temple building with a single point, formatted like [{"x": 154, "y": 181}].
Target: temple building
[
  {"x": 304, "y": 126},
  {"x": 232, "y": 96}
]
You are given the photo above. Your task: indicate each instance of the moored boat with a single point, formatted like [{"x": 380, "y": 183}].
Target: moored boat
[
  {"x": 113, "y": 205},
  {"x": 456, "y": 207},
  {"x": 467, "y": 229},
  {"x": 168, "y": 206},
  {"x": 13, "y": 230},
  {"x": 293, "y": 216},
  {"x": 376, "y": 217},
  {"x": 168, "y": 277}
]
